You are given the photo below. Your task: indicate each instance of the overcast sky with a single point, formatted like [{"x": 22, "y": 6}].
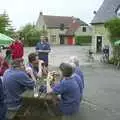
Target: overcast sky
[{"x": 27, "y": 11}]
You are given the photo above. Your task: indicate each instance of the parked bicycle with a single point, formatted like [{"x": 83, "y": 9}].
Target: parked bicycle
[
  {"x": 105, "y": 55},
  {"x": 105, "y": 58},
  {"x": 90, "y": 56},
  {"x": 118, "y": 62}
]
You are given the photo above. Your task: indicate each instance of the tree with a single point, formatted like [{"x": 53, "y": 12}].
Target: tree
[
  {"x": 31, "y": 34},
  {"x": 5, "y": 25},
  {"x": 113, "y": 27}
]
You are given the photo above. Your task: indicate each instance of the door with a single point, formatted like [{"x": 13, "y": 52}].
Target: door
[
  {"x": 62, "y": 39},
  {"x": 99, "y": 44},
  {"x": 70, "y": 41}
]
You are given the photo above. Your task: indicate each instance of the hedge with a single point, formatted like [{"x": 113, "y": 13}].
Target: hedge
[{"x": 79, "y": 40}]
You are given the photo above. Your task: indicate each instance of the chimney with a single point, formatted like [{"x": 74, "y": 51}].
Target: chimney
[
  {"x": 94, "y": 12},
  {"x": 41, "y": 13}
]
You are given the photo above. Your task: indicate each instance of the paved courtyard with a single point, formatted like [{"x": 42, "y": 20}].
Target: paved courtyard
[{"x": 102, "y": 84}]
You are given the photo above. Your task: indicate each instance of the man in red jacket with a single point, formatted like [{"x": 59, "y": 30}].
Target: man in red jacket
[{"x": 17, "y": 50}]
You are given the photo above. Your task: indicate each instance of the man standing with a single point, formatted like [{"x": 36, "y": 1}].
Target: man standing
[
  {"x": 43, "y": 49},
  {"x": 15, "y": 82}
]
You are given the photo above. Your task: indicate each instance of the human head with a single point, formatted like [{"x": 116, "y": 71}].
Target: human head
[
  {"x": 33, "y": 59},
  {"x": 18, "y": 64},
  {"x": 66, "y": 69},
  {"x": 42, "y": 38},
  {"x": 73, "y": 66},
  {"x": 74, "y": 59}
]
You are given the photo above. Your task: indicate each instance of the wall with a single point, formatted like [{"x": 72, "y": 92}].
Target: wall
[
  {"x": 54, "y": 32},
  {"x": 80, "y": 32},
  {"x": 100, "y": 30},
  {"x": 41, "y": 23}
]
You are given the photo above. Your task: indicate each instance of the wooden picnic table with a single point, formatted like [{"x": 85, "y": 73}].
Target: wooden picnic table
[{"x": 37, "y": 108}]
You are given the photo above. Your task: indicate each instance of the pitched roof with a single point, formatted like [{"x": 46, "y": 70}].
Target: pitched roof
[
  {"x": 74, "y": 26},
  {"x": 55, "y": 21},
  {"x": 106, "y": 12}
]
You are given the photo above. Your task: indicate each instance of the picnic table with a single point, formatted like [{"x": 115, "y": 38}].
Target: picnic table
[{"x": 37, "y": 108}]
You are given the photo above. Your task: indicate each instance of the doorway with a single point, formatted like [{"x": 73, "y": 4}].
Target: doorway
[
  {"x": 62, "y": 39},
  {"x": 99, "y": 44}
]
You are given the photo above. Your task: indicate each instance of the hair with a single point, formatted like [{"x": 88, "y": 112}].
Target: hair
[
  {"x": 8, "y": 52},
  {"x": 32, "y": 57},
  {"x": 73, "y": 66},
  {"x": 66, "y": 69},
  {"x": 17, "y": 62},
  {"x": 74, "y": 59}
]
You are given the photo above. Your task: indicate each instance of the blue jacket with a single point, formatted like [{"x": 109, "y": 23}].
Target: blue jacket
[
  {"x": 69, "y": 89},
  {"x": 15, "y": 82},
  {"x": 78, "y": 72},
  {"x": 42, "y": 46},
  {"x": 3, "y": 108}
]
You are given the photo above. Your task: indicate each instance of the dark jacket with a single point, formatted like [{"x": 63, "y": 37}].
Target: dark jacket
[{"x": 3, "y": 108}]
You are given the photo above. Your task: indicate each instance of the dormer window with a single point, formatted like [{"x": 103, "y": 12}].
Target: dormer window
[
  {"x": 84, "y": 29},
  {"x": 61, "y": 26},
  {"x": 118, "y": 12}
]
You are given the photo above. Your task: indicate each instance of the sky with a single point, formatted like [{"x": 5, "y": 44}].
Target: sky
[{"x": 22, "y": 12}]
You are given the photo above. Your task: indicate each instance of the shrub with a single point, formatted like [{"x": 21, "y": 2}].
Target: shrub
[{"x": 83, "y": 40}]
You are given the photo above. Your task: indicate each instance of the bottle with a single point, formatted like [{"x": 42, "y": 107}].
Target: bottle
[{"x": 36, "y": 91}]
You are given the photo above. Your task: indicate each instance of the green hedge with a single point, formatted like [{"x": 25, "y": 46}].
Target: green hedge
[{"x": 79, "y": 40}]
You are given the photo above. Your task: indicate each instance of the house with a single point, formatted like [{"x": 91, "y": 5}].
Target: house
[
  {"x": 109, "y": 9},
  {"x": 60, "y": 29}
]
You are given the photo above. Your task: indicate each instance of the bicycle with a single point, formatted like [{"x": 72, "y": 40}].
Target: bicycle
[
  {"x": 118, "y": 63},
  {"x": 105, "y": 58},
  {"x": 90, "y": 56}
]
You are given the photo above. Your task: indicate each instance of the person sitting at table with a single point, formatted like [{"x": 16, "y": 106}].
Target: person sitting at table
[
  {"x": 3, "y": 108},
  {"x": 15, "y": 82},
  {"x": 35, "y": 65},
  {"x": 4, "y": 65},
  {"x": 70, "y": 92}
]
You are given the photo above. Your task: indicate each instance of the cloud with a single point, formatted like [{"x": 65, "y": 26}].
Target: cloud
[{"x": 24, "y": 11}]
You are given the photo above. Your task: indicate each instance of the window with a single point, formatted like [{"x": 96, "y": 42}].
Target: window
[
  {"x": 118, "y": 13},
  {"x": 53, "y": 38},
  {"x": 61, "y": 26},
  {"x": 84, "y": 29}
]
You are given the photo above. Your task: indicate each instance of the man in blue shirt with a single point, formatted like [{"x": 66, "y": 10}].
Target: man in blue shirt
[
  {"x": 43, "y": 49},
  {"x": 15, "y": 82},
  {"x": 3, "y": 108},
  {"x": 69, "y": 90}
]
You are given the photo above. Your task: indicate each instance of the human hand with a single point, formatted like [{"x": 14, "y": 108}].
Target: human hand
[{"x": 29, "y": 70}]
